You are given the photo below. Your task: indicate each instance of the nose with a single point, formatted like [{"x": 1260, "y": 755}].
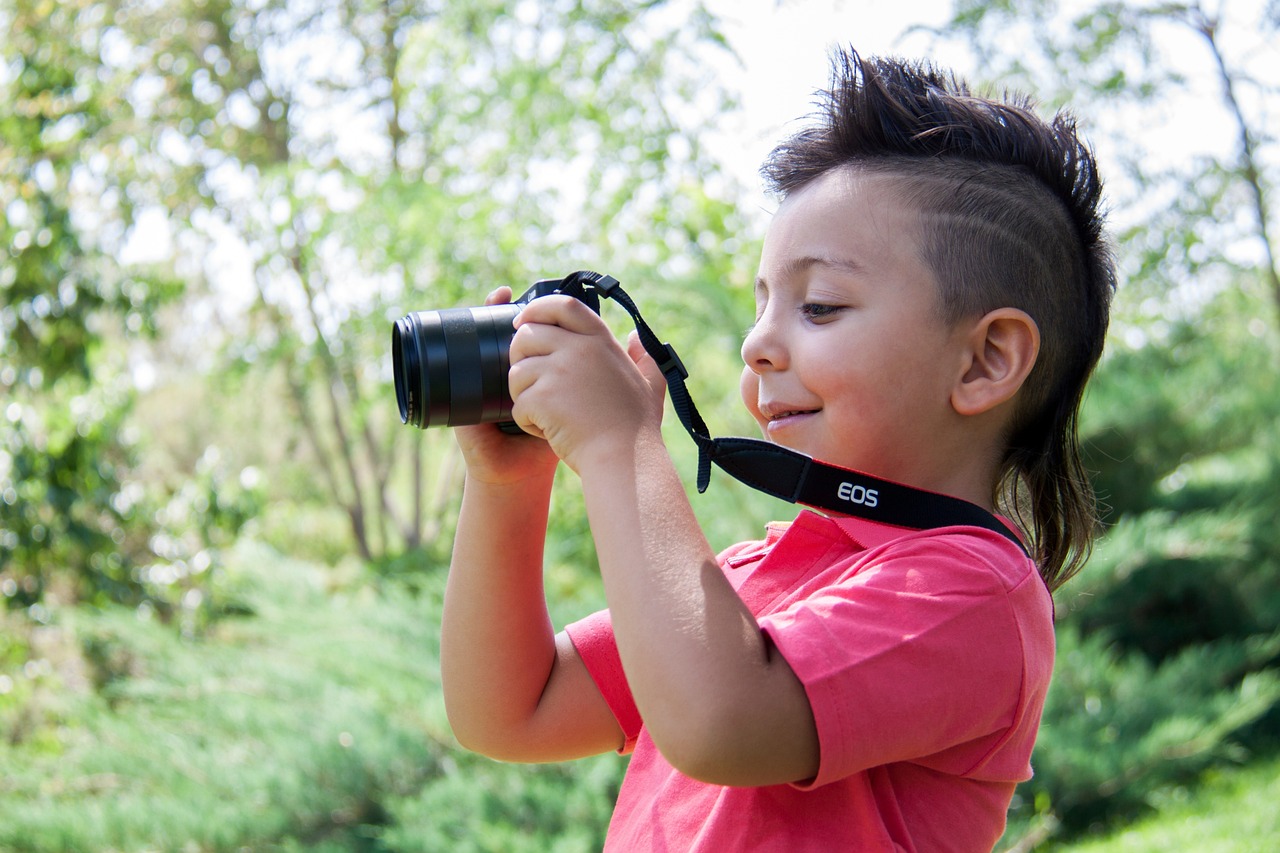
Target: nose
[{"x": 763, "y": 348}]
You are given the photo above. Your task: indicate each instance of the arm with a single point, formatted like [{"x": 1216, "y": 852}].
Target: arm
[
  {"x": 513, "y": 689},
  {"x": 719, "y": 702}
]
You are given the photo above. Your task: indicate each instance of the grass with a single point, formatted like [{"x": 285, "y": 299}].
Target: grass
[
  {"x": 315, "y": 723},
  {"x": 281, "y": 726},
  {"x": 1230, "y": 813}
]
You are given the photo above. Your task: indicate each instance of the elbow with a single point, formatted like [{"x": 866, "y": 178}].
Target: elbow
[
  {"x": 490, "y": 744},
  {"x": 702, "y": 745},
  {"x": 474, "y": 730},
  {"x": 732, "y": 744},
  {"x": 477, "y": 733},
  {"x": 468, "y": 736},
  {"x": 699, "y": 764}
]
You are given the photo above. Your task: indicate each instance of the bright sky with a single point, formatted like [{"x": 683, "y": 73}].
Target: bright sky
[{"x": 785, "y": 47}]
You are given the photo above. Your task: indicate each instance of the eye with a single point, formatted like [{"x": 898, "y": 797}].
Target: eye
[{"x": 818, "y": 311}]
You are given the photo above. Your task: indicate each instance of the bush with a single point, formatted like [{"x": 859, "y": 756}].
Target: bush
[
  {"x": 479, "y": 806},
  {"x": 1169, "y": 642},
  {"x": 1117, "y": 730},
  {"x": 314, "y": 724}
]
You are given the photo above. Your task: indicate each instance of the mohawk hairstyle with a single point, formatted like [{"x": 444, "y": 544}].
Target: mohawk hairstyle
[{"x": 1009, "y": 208}]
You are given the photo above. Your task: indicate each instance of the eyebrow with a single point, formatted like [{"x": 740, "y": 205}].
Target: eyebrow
[{"x": 796, "y": 266}]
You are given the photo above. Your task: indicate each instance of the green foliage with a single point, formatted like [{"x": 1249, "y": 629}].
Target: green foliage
[
  {"x": 1190, "y": 168},
  {"x": 442, "y": 150},
  {"x": 1204, "y": 391},
  {"x": 1169, "y": 642},
  {"x": 315, "y": 724},
  {"x": 306, "y": 531},
  {"x": 60, "y": 508},
  {"x": 169, "y": 748},
  {"x": 194, "y": 526},
  {"x": 437, "y": 151},
  {"x": 1117, "y": 731},
  {"x": 1228, "y": 813},
  {"x": 482, "y": 806},
  {"x": 74, "y": 525}
]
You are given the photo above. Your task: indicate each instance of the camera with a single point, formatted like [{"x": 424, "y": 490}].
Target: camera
[{"x": 451, "y": 364}]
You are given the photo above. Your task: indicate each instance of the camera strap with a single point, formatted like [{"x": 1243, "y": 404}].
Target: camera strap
[{"x": 788, "y": 474}]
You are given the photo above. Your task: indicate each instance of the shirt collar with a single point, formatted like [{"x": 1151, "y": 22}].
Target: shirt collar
[
  {"x": 868, "y": 534},
  {"x": 861, "y": 531}
]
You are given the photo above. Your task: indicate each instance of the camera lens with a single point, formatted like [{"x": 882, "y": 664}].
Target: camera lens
[{"x": 451, "y": 365}]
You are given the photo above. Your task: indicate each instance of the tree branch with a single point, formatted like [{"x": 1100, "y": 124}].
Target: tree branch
[{"x": 1207, "y": 28}]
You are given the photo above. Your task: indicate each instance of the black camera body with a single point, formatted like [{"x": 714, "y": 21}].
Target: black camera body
[{"x": 451, "y": 365}]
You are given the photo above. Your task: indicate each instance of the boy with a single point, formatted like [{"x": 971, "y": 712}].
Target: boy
[{"x": 932, "y": 296}]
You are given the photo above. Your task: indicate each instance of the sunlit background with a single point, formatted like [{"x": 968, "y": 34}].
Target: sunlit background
[{"x": 221, "y": 554}]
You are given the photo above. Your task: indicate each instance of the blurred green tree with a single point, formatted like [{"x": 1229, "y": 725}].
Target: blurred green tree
[
  {"x": 66, "y": 515},
  {"x": 323, "y": 168}
]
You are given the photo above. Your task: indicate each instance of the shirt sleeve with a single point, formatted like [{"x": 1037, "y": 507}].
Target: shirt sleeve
[
  {"x": 918, "y": 657},
  {"x": 593, "y": 639}
]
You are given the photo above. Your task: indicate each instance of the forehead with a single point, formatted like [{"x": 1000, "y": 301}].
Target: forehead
[
  {"x": 850, "y": 197},
  {"x": 849, "y": 217}
]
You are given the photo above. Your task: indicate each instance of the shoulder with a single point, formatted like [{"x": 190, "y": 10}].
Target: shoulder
[
  {"x": 951, "y": 625},
  {"x": 952, "y": 578},
  {"x": 956, "y": 556},
  {"x": 944, "y": 573}
]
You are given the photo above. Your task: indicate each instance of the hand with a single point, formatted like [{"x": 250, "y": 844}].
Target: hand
[
  {"x": 492, "y": 456},
  {"x": 575, "y": 385}
]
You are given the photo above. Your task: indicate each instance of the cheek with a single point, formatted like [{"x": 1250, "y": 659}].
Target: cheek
[{"x": 749, "y": 386}]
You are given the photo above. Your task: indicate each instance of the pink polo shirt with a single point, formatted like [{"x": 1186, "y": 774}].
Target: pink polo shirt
[{"x": 925, "y": 655}]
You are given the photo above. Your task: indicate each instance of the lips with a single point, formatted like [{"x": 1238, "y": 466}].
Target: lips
[{"x": 774, "y": 413}]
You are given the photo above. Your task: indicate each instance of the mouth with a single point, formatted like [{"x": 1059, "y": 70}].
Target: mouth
[{"x": 780, "y": 416}]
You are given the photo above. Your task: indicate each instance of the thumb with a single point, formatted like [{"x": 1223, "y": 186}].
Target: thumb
[{"x": 648, "y": 367}]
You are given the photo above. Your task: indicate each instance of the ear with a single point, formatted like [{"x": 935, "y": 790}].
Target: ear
[{"x": 1001, "y": 350}]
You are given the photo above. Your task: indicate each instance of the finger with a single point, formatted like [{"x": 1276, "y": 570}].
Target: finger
[
  {"x": 535, "y": 339},
  {"x": 644, "y": 361},
  {"x": 563, "y": 311},
  {"x": 528, "y": 426},
  {"x": 498, "y": 296},
  {"x": 648, "y": 368},
  {"x": 520, "y": 379}
]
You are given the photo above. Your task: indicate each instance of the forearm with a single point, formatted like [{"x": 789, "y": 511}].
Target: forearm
[
  {"x": 718, "y": 702},
  {"x": 717, "y": 699},
  {"x": 497, "y": 645}
]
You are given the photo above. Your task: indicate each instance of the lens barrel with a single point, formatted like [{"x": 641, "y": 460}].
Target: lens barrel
[{"x": 451, "y": 365}]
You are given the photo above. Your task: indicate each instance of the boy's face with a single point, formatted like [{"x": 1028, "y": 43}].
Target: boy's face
[{"x": 849, "y": 360}]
